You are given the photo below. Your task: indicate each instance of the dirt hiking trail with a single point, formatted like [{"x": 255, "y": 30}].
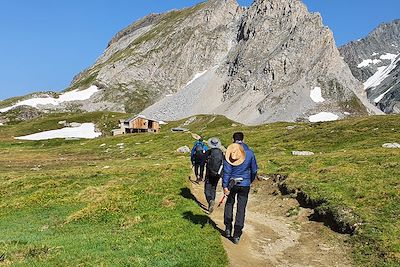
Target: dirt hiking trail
[{"x": 278, "y": 232}]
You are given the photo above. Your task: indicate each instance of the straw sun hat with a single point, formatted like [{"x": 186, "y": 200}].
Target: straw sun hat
[{"x": 235, "y": 154}]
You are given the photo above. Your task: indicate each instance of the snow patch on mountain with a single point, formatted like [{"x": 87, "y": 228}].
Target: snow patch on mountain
[
  {"x": 86, "y": 131},
  {"x": 316, "y": 95},
  {"x": 382, "y": 73},
  {"x": 379, "y": 98},
  {"x": 388, "y": 56},
  {"x": 74, "y": 95},
  {"x": 368, "y": 62},
  {"x": 196, "y": 76},
  {"x": 323, "y": 116}
]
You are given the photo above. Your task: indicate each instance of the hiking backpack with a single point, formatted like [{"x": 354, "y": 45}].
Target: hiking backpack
[
  {"x": 198, "y": 151},
  {"x": 215, "y": 162}
]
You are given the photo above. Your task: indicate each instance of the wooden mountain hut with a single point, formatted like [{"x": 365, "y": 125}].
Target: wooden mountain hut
[{"x": 138, "y": 124}]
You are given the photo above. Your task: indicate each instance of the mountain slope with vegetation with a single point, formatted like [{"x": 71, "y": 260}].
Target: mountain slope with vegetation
[{"x": 126, "y": 200}]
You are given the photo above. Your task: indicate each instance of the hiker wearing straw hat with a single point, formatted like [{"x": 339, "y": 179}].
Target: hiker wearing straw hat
[
  {"x": 240, "y": 166},
  {"x": 214, "y": 167}
]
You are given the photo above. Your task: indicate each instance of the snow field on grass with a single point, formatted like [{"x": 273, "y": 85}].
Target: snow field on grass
[
  {"x": 86, "y": 130},
  {"x": 74, "y": 95},
  {"x": 316, "y": 95},
  {"x": 323, "y": 116}
]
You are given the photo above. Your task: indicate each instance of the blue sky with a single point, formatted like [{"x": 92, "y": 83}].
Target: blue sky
[{"x": 44, "y": 43}]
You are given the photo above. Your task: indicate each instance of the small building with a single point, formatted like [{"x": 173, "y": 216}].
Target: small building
[{"x": 138, "y": 124}]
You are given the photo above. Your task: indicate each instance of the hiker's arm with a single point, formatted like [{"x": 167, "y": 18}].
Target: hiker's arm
[
  {"x": 192, "y": 155},
  {"x": 254, "y": 168},
  {"x": 227, "y": 176}
]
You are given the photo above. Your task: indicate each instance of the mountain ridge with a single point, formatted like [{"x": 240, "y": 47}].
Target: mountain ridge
[
  {"x": 374, "y": 60},
  {"x": 146, "y": 65}
]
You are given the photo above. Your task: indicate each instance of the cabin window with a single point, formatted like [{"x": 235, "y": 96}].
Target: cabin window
[{"x": 150, "y": 124}]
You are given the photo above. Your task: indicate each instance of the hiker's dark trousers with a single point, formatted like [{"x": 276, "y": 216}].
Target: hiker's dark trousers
[
  {"x": 210, "y": 188},
  {"x": 199, "y": 166},
  {"x": 242, "y": 195}
]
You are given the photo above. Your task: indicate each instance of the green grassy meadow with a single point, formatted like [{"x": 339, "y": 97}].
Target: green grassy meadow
[{"x": 100, "y": 203}]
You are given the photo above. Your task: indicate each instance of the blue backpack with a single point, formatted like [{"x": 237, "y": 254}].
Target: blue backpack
[{"x": 199, "y": 151}]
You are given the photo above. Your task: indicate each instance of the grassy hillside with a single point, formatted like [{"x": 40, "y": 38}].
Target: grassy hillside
[{"x": 97, "y": 202}]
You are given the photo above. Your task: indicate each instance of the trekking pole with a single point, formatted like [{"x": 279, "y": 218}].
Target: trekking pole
[
  {"x": 221, "y": 201},
  {"x": 231, "y": 184}
]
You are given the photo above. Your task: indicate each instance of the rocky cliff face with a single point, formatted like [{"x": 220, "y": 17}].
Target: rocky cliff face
[
  {"x": 283, "y": 53},
  {"x": 374, "y": 60},
  {"x": 274, "y": 61},
  {"x": 158, "y": 55}
]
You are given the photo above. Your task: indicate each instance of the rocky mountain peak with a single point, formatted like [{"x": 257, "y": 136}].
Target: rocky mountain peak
[
  {"x": 375, "y": 61},
  {"x": 283, "y": 52},
  {"x": 273, "y": 61}
]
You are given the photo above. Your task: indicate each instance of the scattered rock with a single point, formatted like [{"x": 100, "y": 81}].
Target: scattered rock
[
  {"x": 183, "y": 149},
  {"x": 262, "y": 178},
  {"x": 234, "y": 125},
  {"x": 291, "y": 127},
  {"x": 72, "y": 138},
  {"x": 36, "y": 168},
  {"x": 302, "y": 153},
  {"x": 102, "y": 145},
  {"x": 391, "y": 145},
  {"x": 189, "y": 121},
  {"x": 196, "y": 136},
  {"x": 106, "y": 167},
  {"x": 62, "y": 122},
  {"x": 75, "y": 124},
  {"x": 179, "y": 129}
]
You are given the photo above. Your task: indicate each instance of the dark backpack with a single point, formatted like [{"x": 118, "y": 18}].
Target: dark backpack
[
  {"x": 215, "y": 162},
  {"x": 198, "y": 151}
]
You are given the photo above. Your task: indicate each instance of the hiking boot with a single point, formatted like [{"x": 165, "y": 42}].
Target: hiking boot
[
  {"x": 211, "y": 206},
  {"x": 228, "y": 233},
  {"x": 236, "y": 240}
]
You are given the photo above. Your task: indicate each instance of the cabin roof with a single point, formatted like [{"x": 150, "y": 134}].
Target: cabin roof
[{"x": 138, "y": 117}]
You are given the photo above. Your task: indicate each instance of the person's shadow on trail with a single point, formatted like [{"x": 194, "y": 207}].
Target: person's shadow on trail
[
  {"x": 202, "y": 220},
  {"x": 186, "y": 193}
]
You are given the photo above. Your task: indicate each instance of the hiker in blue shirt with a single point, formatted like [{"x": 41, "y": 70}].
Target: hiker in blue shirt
[
  {"x": 198, "y": 158},
  {"x": 240, "y": 170}
]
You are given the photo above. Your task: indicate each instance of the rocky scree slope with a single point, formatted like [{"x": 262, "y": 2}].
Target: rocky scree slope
[{"x": 375, "y": 61}]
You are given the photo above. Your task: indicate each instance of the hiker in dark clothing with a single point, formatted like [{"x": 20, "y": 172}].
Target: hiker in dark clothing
[
  {"x": 240, "y": 170},
  {"x": 214, "y": 167},
  {"x": 198, "y": 158}
]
